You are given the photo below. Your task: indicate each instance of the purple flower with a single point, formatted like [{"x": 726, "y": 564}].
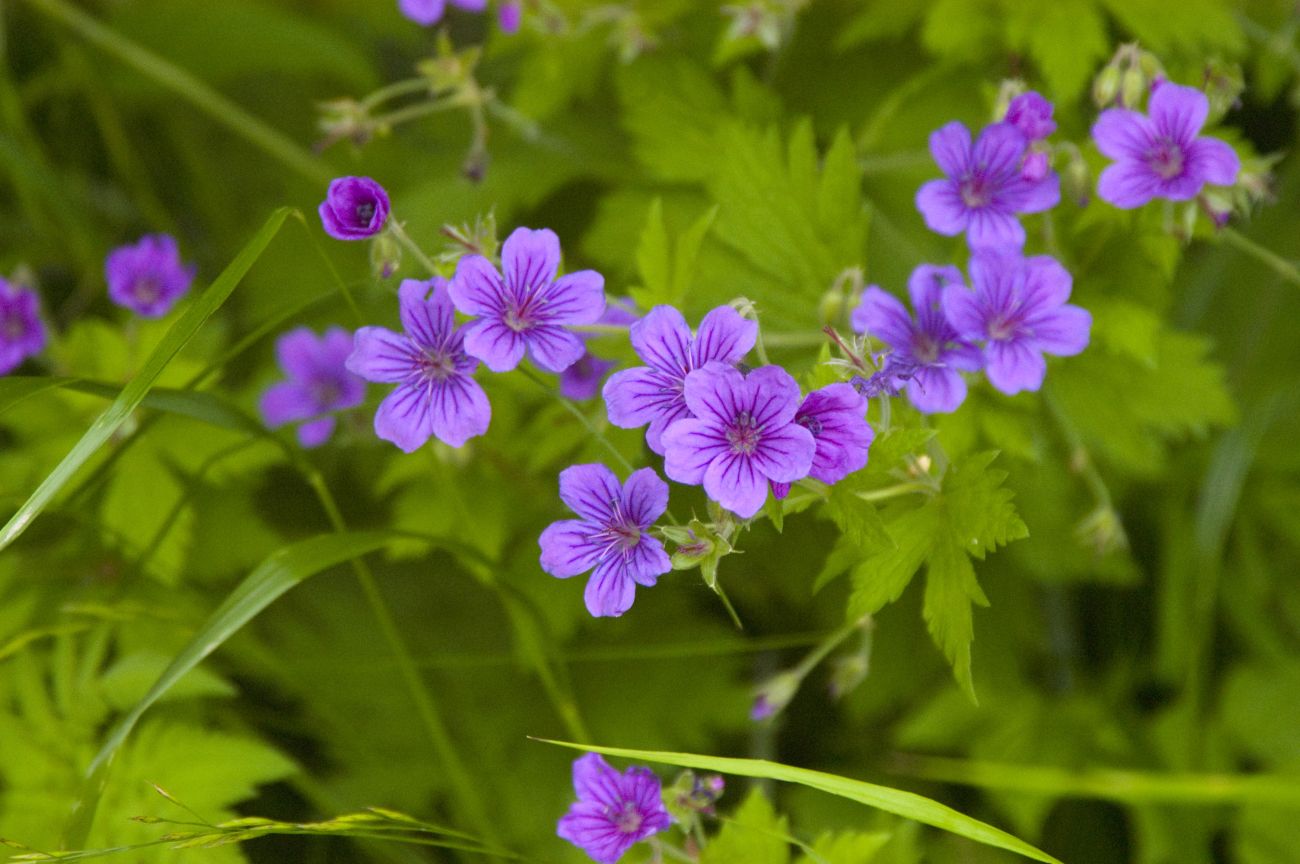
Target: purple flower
[
  {"x": 528, "y": 307},
  {"x": 836, "y": 417},
  {"x": 430, "y": 12},
  {"x": 354, "y": 208},
  {"x": 742, "y": 435},
  {"x": 984, "y": 189},
  {"x": 147, "y": 277},
  {"x": 22, "y": 334},
  {"x": 436, "y": 394},
  {"x": 509, "y": 15},
  {"x": 1160, "y": 156},
  {"x": 1032, "y": 115},
  {"x": 1018, "y": 307},
  {"x": 928, "y": 350},
  {"x": 582, "y": 380},
  {"x": 319, "y": 383},
  {"x": 613, "y": 811},
  {"x": 611, "y": 535},
  {"x": 654, "y": 394}
]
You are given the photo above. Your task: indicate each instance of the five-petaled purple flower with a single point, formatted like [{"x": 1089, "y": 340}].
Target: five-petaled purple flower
[
  {"x": 582, "y": 380},
  {"x": 929, "y": 348},
  {"x": 836, "y": 415},
  {"x": 22, "y": 333},
  {"x": 527, "y": 307},
  {"x": 611, "y": 535},
  {"x": 354, "y": 208},
  {"x": 742, "y": 435},
  {"x": 1018, "y": 308},
  {"x": 319, "y": 384},
  {"x": 654, "y": 394},
  {"x": 985, "y": 187},
  {"x": 1160, "y": 156},
  {"x": 436, "y": 393},
  {"x": 613, "y": 811},
  {"x": 147, "y": 277},
  {"x": 430, "y": 12}
]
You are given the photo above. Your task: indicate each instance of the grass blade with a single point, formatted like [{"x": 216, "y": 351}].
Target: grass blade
[{"x": 906, "y": 804}]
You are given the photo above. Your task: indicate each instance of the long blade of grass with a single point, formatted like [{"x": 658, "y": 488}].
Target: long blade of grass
[
  {"x": 138, "y": 388},
  {"x": 906, "y": 804}
]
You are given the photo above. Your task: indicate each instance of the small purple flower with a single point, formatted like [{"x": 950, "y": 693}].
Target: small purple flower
[
  {"x": 654, "y": 393},
  {"x": 527, "y": 307},
  {"x": 436, "y": 395},
  {"x": 430, "y": 12},
  {"x": 742, "y": 435},
  {"x": 1032, "y": 115},
  {"x": 22, "y": 333},
  {"x": 319, "y": 384},
  {"x": 148, "y": 276},
  {"x": 611, "y": 535},
  {"x": 928, "y": 349},
  {"x": 509, "y": 15},
  {"x": 613, "y": 811},
  {"x": 836, "y": 417},
  {"x": 581, "y": 381},
  {"x": 984, "y": 189},
  {"x": 1160, "y": 156},
  {"x": 354, "y": 208},
  {"x": 1018, "y": 308}
]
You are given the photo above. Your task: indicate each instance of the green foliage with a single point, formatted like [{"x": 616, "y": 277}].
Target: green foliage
[{"x": 754, "y": 833}]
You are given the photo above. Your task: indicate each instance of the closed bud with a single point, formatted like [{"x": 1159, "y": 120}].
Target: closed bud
[
  {"x": 1106, "y": 86},
  {"x": 1218, "y": 205},
  {"x": 1074, "y": 176},
  {"x": 1132, "y": 87},
  {"x": 831, "y": 307},
  {"x": 847, "y": 673},
  {"x": 774, "y": 695},
  {"x": 385, "y": 255}
]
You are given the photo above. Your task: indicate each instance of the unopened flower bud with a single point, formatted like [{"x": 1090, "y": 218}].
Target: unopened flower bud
[
  {"x": 1132, "y": 87},
  {"x": 1074, "y": 177},
  {"x": 385, "y": 255},
  {"x": 1106, "y": 86},
  {"x": 774, "y": 695},
  {"x": 1218, "y": 205}
]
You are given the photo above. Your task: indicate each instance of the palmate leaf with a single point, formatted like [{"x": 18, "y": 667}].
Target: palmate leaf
[{"x": 906, "y": 804}]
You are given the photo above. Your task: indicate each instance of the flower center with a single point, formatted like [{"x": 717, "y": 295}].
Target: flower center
[
  {"x": 435, "y": 366},
  {"x": 365, "y": 212},
  {"x": 925, "y": 349},
  {"x": 1001, "y": 328},
  {"x": 975, "y": 192},
  {"x": 11, "y": 328},
  {"x": 326, "y": 393},
  {"x": 744, "y": 434},
  {"x": 1166, "y": 159},
  {"x": 628, "y": 820},
  {"x": 147, "y": 289},
  {"x": 811, "y": 423},
  {"x": 517, "y": 319}
]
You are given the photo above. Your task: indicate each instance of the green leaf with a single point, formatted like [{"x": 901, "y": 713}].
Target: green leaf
[
  {"x": 950, "y": 589},
  {"x": 753, "y": 835},
  {"x": 1066, "y": 38},
  {"x": 906, "y": 804},
  {"x": 138, "y": 388},
  {"x": 653, "y": 260},
  {"x": 847, "y": 847}
]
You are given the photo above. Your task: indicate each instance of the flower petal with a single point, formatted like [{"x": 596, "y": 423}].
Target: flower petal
[
  {"x": 1063, "y": 331},
  {"x": 1214, "y": 161},
  {"x": 592, "y": 491},
  {"x": 382, "y": 356},
  {"x": 287, "y": 402},
  {"x": 784, "y": 454},
  {"x": 644, "y": 497},
  {"x": 994, "y": 229},
  {"x": 574, "y": 298},
  {"x": 883, "y": 316},
  {"x": 735, "y": 482},
  {"x": 315, "y": 433},
  {"x": 1123, "y": 134},
  {"x": 458, "y": 409},
  {"x": 647, "y": 561},
  {"x": 499, "y": 347},
  {"x": 610, "y": 590},
  {"x": 724, "y": 335},
  {"x": 936, "y": 390},
  {"x": 690, "y": 445},
  {"x": 1178, "y": 112},
  {"x": 403, "y": 418},
  {"x": 775, "y": 396},
  {"x": 962, "y": 308},
  {"x": 636, "y": 396},
  {"x": 1014, "y": 365},
  {"x": 654, "y": 433},
  {"x": 569, "y": 548},
  {"x": 554, "y": 348},
  {"x": 1024, "y": 195},
  {"x": 588, "y": 826},
  {"x": 529, "y": 260},
  {"x": 477, "y": 288},
  {"x": 942, "y": 208},
  {"x": 1047, "y": 285},
  {"x": 1128, "y": 184},
  {"x": 296, "y": 353},
  {"x": 663, "y": 340},
  {"x": 594, "y": 780},
  {"x": 717, "y": 392},
  {"x": 998, "y": 150},
  {"x": 426, "y": 310},
  {"x": 951, "y": 148}
]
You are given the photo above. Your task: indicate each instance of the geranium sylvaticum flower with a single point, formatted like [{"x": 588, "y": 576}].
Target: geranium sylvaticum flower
[
  {"x": 582, "y": 379},
  {"x": 354, "y": 208},
  {"x": 613, "y": 811},
  {"x": 318, "y": 384},
  {"x": 148, "y": 276},
  {"x": 525, "y": 307},
  {"x": 742, "y": 435},
  {"x": 1161, "y": 155},
  {"x": 985, "y": 187},
  {"x": 436, "y": 394},
  {"x": 610, "y": 535},
  {"x": 1017, "y": 308},
  {"x": 928, "y": 348},
  {"x": 22, "y": 333},
  {"x": 836, "y": 415},
  {"x": 430, "y": 12},
  {"x": 653, "y": 394}
]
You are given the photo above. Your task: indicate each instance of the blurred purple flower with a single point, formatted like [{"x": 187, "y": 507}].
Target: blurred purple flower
[
  {"x": 528, "y": 307},
  {"x": 148, "y": 277},
  {"x": 581, "y": 381},
  {"x": 1018, "y": 309},
  {"x": 928, "y": 350},
  {"x": 509, "y": 15},
  {"x": 318, "y": 383},
  {"x": 741, "y": 436},
  {"x": 613, "y": 811},
  {"x": 1160, "y": 156},
  {"x": 653, "y": 394},
  {"x": 354, "y": 208},
  {"x": 22, "y": 333},
  {"x": 436, "y": 393},
  {"x": 611, "y": 535},
  {"x": 1032, "y": 115},
  {"x": 430, "y": 12},
  {"x": 984, "y": 189}
]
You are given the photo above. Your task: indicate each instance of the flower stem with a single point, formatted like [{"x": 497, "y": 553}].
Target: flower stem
[
  {"x": 1270, "y": 259},
  {"x": 582, "y": 418},
  {"x": 894, "y": 491},
  {"x": 400, "y": 235},
  {"x": 397, "y": 88}
]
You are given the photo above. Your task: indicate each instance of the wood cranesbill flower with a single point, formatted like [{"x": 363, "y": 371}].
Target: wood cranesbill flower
[
  {"x": 147, "y": 276},
  {"x": 609, "y": 537},
  {"x": 1018, "y": 309},
  {"x": 1161, "y": 155},
  {"x": 22, "y": 333},
  {"x": 928, "y": 348},
  {"x": 355, "y": 208},
  {"x": 436, "y": 395},
  {"x": 742, "y": 435},
  {"x": 318, "y": 384},
  {"x": 985, "y": 187},
  {"x": 654, "y": 394},
  {"x": 613, "y": 811},
  {"x": 525, "y": 307}
]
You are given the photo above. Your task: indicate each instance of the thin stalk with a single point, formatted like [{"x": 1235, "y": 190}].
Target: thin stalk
[
  {"x": 415, "y": 112},
  {"x": 395, "y": 228},
  {"x": 582, "y": 418},
  {"x": 795, "y": 340},
  {"x": 1270, "y": 259},
  {"x": 895, "y": 491},
  {"x": 404, "y": 87}
]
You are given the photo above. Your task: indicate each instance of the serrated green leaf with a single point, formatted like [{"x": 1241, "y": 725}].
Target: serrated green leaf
[
  {"x": 752, "y": 835},
  {"x": 847, "y": 847},
  {"x": 880, "y": 579},
  {"x": 950, "y": 589}
]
